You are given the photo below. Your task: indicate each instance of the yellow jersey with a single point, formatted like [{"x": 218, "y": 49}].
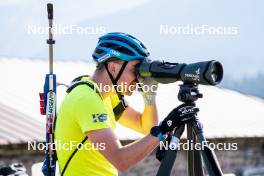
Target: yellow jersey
[{"x": 83, "y": 110}]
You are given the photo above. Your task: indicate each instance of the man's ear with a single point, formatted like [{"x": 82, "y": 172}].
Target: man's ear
[{"x": 112, "y": 67}]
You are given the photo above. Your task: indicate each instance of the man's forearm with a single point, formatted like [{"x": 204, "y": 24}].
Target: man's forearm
[
  {"x": 149, "y": 117},
  {"x": 132, "y": 153}
]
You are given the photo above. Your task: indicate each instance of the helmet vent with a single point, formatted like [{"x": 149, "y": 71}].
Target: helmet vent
[
  {"x": 118, "y": 48},
  {"x": 128, "y": 43},
  {"x": 124, "y": 50},
  {"x": 99, "y": 51}
]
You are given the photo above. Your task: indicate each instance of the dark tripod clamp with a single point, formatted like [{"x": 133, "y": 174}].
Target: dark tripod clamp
[{"x": 189, "y": 93}]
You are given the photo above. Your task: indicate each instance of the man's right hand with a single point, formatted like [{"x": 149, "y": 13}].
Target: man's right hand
[{"x": 178, "y": 116}]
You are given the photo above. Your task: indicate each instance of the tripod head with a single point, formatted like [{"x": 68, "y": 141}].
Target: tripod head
[{"x": 189, "y": 93}]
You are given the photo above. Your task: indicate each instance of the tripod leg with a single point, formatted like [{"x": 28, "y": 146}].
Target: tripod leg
[
  {"x": 167, "y": 163},
  {"x": 198, "y": 168},
  {"x": 171, "y": 154},
  {"x": 190, "y": 153},
  {"x": 208, "y": 155}
]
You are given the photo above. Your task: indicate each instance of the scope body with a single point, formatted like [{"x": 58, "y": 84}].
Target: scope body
[{"x": 206, "y": 73}]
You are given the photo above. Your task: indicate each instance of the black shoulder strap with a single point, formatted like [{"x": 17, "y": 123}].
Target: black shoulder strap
[
  {"x": 79, "y": 78},
  {"x": 77, "y": 83},
  {"x": 73, "y": 153}
]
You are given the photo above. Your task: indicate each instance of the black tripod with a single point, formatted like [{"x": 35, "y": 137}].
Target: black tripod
[{"x": 189, "y": 93}]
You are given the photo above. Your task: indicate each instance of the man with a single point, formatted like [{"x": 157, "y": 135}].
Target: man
[{"x": 89, "y": 112}]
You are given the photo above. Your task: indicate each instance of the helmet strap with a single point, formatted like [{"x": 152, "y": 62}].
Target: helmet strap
[
  {"x": 115, "y": 80},
  {"x": 118, "y": 110}
]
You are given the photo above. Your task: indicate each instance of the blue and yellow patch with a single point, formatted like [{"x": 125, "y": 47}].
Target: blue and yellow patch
[{"x": 99, "y": 117}]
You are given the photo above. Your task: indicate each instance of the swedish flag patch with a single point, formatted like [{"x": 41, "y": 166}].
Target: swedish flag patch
[{"x": 99, "y": 117}]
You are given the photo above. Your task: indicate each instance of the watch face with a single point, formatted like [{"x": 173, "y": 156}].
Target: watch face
[{"x": 154, "y": 131}]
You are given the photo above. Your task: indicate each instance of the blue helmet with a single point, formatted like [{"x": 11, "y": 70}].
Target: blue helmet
[{"x": 120, "y": 46}]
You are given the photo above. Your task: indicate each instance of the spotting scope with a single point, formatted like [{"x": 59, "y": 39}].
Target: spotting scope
[{"x": 206, "y": 72}]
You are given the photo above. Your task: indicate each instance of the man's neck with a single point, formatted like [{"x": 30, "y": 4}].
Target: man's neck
[{"x": 101, "y": 80}]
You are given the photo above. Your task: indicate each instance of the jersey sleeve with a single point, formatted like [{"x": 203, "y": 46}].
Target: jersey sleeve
[{"x": 90, "y": 112}]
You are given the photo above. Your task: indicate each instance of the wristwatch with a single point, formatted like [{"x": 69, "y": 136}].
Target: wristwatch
[{"x": 155, "y": 131}]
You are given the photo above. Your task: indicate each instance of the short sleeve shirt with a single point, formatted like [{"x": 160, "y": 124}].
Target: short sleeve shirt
[{"x": 81, "y": 111}]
